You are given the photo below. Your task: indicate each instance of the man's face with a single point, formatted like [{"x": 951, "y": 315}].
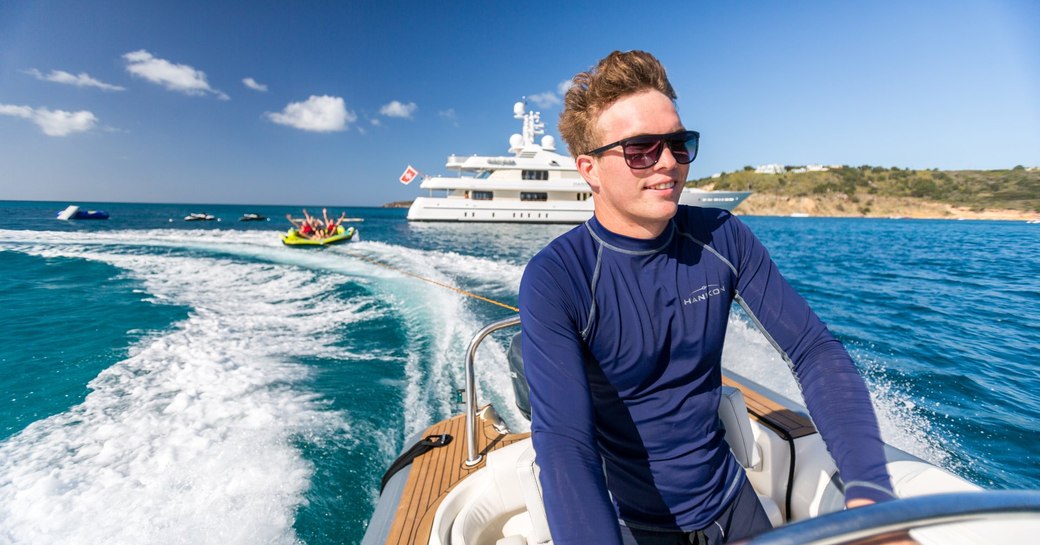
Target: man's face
[{"x": 635, "y": 202}]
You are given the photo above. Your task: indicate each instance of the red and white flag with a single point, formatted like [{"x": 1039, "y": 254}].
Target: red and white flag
[{"x": 409, "y": 174}]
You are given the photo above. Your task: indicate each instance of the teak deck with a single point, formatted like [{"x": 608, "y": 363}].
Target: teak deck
[
  {"x": 434, "y": 474},
  {"x": 771, "y": 413}
]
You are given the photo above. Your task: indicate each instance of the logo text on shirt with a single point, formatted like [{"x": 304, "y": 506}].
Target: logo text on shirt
[{"x": 703, "y": 293}]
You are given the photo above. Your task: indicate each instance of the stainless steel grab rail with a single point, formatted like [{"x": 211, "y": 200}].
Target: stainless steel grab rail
[{"x": 472, "y": 456}]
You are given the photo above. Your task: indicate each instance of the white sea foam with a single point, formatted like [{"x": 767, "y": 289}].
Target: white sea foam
[
  {"x": 751, "y": 355},
  {"x": 748, "y": 353},
  {"x": 486, "y": 273},
  {"x": 437, "y": 321},
  {"x": 191, "y": 438},
  {"x": 440, "y": 317},
  {"x": 136, "y": 460}
]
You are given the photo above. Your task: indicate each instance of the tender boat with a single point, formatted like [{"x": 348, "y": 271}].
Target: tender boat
[
  {"x": 534, "y": 185},
  {"x": 470, "y": 480},
  {"x": 343, "y": 234},
  {"x": 199, "y": 216},
  {"x": 73, "y": 212},
  {"x": 253, "y": 217},
  {"x": 727, "y": 200}
]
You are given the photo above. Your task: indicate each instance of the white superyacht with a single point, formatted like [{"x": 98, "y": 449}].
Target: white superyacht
[{"x": 535, "y": 185}]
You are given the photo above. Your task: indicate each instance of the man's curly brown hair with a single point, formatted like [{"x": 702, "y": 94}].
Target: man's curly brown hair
[{"x": 616, "y": 76}]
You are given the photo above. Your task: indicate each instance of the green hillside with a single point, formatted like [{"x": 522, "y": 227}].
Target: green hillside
[{"x": 1014, "y": 189}]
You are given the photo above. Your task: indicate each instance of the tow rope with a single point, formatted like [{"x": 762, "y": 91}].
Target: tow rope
[{"x": 431, "y": 281}]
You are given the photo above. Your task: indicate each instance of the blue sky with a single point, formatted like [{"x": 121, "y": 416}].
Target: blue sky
[{"x": 151, "y": 101}]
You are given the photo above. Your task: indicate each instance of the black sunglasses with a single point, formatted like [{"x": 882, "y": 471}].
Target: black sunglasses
[{"x": 645, "y": 150}]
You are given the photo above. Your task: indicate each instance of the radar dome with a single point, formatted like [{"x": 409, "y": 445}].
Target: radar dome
[
  {"x": 516, "y": 141},
  {"x": 548, "y": 142},
  {"x": 518, "y": 109}
]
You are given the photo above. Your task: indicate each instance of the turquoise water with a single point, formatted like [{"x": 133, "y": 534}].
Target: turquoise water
[{"x": 167, "y": 382}]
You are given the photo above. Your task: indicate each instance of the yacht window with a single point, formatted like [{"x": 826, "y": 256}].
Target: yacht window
[
  {"x": 535, "y": 174},
  {"x": 483, "y": 195},
  {"x": 483, "y": 174},
  {"x": 534, "y": 196}
]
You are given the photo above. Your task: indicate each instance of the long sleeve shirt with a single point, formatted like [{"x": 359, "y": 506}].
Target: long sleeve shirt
[{"x": 622, "y": 346}]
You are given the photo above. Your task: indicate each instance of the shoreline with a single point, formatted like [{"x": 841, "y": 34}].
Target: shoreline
[{"x": 842, "y": 206}]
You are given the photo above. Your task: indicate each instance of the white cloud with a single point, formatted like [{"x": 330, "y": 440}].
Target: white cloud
[
  {"x": 82, "y": 80},
  {"x": 53, "y": 122},
  {"x": 375, "y": 122},
  {"x": 449, "y": 114},
  {"x": 397, "y": 109},
  {"x": 254, "y": 85},
  {"x": 550, "y": 99},
  {"x": 16, "y": 111},
  {"x": 564, "y": 86},
  {"x": 547, "y": 99},
  {"x": 175, "y": 77},
  {"x": 318, "y": 114}
]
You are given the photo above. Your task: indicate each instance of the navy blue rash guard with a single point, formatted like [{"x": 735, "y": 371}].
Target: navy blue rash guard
[{"x": 622, "y": 347}]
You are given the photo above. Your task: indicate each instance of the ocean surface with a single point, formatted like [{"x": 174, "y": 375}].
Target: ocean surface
[{"x": 170, "y": 382}]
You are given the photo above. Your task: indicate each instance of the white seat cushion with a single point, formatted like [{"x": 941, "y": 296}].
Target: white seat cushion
[
  {"x": 734, "y": 416},
  {"x": 741, "y": 441},
  {"x": 499, "y": 499}
]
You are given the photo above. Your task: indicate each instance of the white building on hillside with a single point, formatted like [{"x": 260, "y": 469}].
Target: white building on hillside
[
  {"x": 809, "y": 168},
  {"x": 770, "y": 169},
  {"x": 781, "y": 169}
]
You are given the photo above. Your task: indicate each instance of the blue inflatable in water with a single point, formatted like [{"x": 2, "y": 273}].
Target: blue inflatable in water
[{"x": 74, "y": 213}]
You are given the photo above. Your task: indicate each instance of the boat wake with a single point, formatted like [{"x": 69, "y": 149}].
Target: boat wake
[
  {"x": 212, "y": 419},
  {"x": 748, "y": 353},
  {"x": 197, "y": 427}
]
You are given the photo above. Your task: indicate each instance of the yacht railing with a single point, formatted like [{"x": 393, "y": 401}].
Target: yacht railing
[{"x": 472, "y": 456}]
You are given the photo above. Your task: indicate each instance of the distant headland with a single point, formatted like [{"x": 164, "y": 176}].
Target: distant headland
[
  {"x": 397, "y": 204},
  {"x": 871, "y": 191}
]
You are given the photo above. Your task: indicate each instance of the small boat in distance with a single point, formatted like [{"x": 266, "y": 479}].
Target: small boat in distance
[
  {"x": 199, "y": 216},
  {"x": 253, "y": 217},
  {"x": 534, "y": 185},
  {"x": 727, "y": 200},
  {"x": 73, "y": 212}
]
